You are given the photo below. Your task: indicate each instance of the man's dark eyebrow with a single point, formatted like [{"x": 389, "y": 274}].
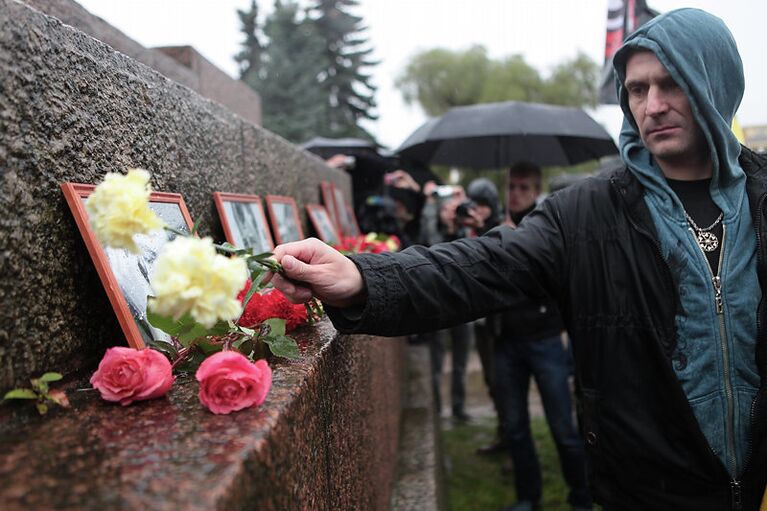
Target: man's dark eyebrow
[{"x": 633, "y": 83}]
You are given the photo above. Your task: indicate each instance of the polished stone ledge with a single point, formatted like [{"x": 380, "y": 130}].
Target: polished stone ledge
[{"x": 326, "y": 438}]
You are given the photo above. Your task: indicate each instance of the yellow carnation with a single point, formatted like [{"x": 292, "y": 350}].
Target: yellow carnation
[
  {"x": 190, "y": 277},
  {"x": 119, "y": 208}
]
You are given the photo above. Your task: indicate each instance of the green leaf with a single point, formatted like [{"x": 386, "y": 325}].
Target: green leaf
[
  {"x": 196, "y": 225},
  {"x": 165, "y": 323},
  {"x": 40, "y": 386},
  {"x": 20, "y": 394},
  {"x": 276, "y": 327},
  {"x": 165, "y": 348},
  {"x": 247, "y": 331},
  {"x": 192, "y": 332},
  {"x": 49, "y": 377},
  {"x": 221, "y": 328},
  {"x": 208, "y": 348},
  {"x": 251, "y": 291},
  {"x": 282, "y": 346},
  {"x": 42, "y": 408}
]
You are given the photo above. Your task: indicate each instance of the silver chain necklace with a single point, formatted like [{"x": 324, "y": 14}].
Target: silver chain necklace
[{"x": 706, "y": 239}]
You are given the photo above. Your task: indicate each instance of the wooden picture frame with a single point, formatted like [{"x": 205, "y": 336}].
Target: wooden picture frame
[
  {"x": 243, "y": 220},
  {"x": 354, "y": 225},
  {"x": 342, "y": 216},
  {"x": 323, "y": 224},
  {"x": 124, "y": 275},
  {"x": 328, "y": 199},
  {"x": 283, "y": 213}
]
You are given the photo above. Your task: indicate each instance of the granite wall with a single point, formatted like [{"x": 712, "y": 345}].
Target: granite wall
[
  {"x": 181, "y": 64},
  {"x": 73, "y": 109}
]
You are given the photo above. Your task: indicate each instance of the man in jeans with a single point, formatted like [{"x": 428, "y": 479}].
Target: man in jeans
[{"x": 530, "y": 344}]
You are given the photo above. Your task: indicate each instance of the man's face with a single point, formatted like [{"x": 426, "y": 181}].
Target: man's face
[
  {"x": 522, "y": 193},
  {"x": 662, "y": 111}
]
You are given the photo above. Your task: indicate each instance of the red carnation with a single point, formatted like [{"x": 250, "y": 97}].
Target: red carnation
[{"x": 272, "y": 304}]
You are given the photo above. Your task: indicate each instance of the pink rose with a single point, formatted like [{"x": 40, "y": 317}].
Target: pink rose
[
  {"x": 127, "y": 375},
  {"x": 230, "y": 382}
]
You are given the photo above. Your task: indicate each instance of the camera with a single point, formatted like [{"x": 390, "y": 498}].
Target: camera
[
  {"x": 443, "y": 192},
  {"x": 464, "y": 208}
]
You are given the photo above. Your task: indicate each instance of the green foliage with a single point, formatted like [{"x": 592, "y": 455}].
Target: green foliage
[
  {"x": 345, "y": 81},
  {"x": 279, "y": 344},
  {"x": 440, "y": 79},
  {"x": 290, "y": 64},
  {"x": 43, "y": 396},
  {"x": 249, "y": 58},
  {"x": 20, "y": 394},
  {"x": 311, "y": 71}
]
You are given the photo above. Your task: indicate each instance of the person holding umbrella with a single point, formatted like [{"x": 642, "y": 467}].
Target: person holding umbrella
[{"x": 659, "y": 268}]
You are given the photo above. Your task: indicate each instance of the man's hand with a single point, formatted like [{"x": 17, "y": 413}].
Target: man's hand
[{"x": 313, "y": 268}]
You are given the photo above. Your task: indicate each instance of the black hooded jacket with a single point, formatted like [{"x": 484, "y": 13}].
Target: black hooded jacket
[{"x": 593, "y": 248}]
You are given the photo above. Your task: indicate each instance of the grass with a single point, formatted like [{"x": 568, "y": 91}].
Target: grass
[{"x": 475, "y": 482}]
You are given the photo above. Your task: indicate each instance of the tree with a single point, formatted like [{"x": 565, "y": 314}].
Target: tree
[
  {"x": 573, "y": 83},
  {"x": 346, "y": 85},
  {"x": 512, "y": 79},
  {"x": 441, "y": 79},
  {"x": 249, "y": 58},
  {"x": 292, "y": 103}
]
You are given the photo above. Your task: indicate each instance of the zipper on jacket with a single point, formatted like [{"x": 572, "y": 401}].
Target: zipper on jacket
[
  {"x": 716, "y": 280},
  {"x": 736, "y": 495}
]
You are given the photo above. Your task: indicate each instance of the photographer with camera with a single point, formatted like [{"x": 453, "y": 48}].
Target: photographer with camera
[{"x": 439, "y": 223}]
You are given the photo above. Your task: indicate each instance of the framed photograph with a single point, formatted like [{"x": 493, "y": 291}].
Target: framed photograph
[
  {"x": 125, "y": 275},
  {"x": 283, "y": 214},
  {"x": 244, "y": 221},
  {"x": 355, "y": 227},
  {"x": 342, "y": 214},
  {"x": 329, "y": 201},
  {"x": 323, "y": 225}
]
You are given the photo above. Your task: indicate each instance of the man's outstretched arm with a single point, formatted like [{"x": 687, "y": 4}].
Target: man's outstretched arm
[{"x": 423, "y": 289}]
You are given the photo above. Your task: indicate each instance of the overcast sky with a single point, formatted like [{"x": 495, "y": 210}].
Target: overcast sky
[{"x": 545, "y": 32}]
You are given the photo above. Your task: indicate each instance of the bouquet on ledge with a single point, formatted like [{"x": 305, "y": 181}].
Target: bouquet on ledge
[
  {"x": 223, "y": 321},
  {"x": 373, "y": 243}
]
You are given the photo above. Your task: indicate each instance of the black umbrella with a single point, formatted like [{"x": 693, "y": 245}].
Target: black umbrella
[
  {"x": 493, "y": 135},
  {"x": 327, "y": 147}
]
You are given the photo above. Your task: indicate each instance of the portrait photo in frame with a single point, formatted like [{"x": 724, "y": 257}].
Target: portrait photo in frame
[
  {"x": 342, "y": 215},
  {"x": 323, "y": 224},
  {"x": 283, "y": 213},
  {"x": 244, "y": 222},
  {"x": 328, "y": 199},
  {"x": 124, "y": 275}
]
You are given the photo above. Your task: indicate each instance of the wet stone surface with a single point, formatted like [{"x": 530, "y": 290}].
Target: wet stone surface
[
  {"x": 73, "y": 109},
  {"x": 326, "y": 438}
]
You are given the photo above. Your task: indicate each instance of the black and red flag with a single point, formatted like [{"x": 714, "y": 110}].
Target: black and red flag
[{"x": 623, "y": 17}]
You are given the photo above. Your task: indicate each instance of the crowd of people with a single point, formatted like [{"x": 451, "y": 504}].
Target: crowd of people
[{"x": 655, "y": 269}]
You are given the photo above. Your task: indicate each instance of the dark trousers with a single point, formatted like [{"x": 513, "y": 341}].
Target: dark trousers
[
  {"x": 546, "y": 360},
  {"x": 459, "y": 337},
  {"x": 485, "y": 339}
]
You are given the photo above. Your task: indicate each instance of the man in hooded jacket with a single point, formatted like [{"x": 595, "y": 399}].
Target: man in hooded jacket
[{"x": 658, "y": 267}]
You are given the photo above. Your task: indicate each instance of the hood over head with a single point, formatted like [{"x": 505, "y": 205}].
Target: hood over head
[{"x": 700, "y": 54}]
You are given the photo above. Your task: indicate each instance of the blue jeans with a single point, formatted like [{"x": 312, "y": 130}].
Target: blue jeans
[{"x": 546, "y": 360}]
